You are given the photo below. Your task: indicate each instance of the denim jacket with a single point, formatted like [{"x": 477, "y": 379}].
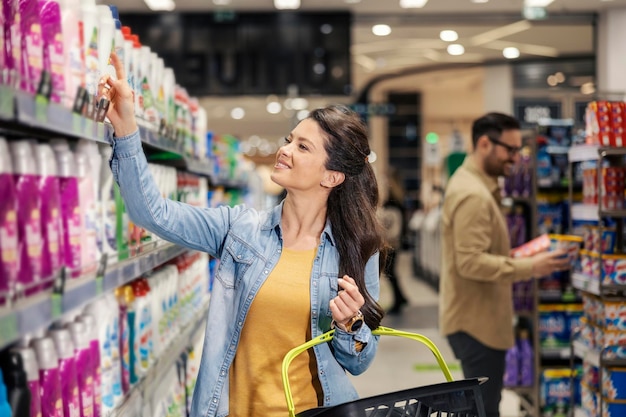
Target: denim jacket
[{"x": 248, "y": 244}]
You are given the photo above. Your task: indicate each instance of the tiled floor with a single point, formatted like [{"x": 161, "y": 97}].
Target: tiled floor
[{"x": 402, "y": 363}]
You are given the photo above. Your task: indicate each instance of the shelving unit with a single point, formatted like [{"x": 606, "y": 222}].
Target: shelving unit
[
  {"x": 22, "y": 115},
  {"x": 545, "y": 357},
  {"x": 595, "y": 285}
]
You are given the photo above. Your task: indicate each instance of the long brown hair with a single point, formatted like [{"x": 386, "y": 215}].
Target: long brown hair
[{"x": 352, "y": 205}]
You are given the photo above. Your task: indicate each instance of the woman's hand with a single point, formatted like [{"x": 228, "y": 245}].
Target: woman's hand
[
  {"x": 122, "y": 108},
  {"x": 348, "y": 302}
]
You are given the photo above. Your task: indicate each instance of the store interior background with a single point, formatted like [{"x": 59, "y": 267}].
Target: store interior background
[
  {"x": 449, "y": 91},
  {"x": 431, "y": 92}
]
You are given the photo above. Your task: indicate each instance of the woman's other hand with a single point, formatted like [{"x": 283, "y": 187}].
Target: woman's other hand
[
  {"x": 121, "y": 111},
  {"x": 348, "y": 302}
]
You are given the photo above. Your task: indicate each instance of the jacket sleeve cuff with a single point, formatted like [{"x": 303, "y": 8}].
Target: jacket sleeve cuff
[
  {"x": 523, "y": 269},
  {"x": 127, "y": 146}
]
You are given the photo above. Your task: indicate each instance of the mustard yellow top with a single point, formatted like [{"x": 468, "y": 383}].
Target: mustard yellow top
[{"x": 279, "y": 320}]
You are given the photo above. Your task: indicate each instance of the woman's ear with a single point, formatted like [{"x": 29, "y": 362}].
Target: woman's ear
[{"x": 333, "y": 179}]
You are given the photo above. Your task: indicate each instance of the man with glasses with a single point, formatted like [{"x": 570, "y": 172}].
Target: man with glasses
[{"x": 476, "y": 308}]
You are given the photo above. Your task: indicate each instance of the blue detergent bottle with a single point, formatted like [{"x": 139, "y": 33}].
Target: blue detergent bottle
[{"x": 5, "y": 409}]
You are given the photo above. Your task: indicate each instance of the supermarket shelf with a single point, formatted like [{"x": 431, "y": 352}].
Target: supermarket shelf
[
  {"x": 585, "y": 212},
  {"x": 580, "y": 153},
  {"x": 556, "y": 352},
  {"x": 580, "y": 412},
  {"x": 584, "y": 352},
  {"x": 23, "y": 113},
  {"x": 613, "y": 151},
  {"x": 585, "y": 283},
  {"x": 167, "y": 359},
  {"x": 34, "y": 313}
]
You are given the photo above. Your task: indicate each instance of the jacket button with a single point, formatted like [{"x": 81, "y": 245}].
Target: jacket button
[
  {"x": 238, "y": 256},
  {"x": 222, "y": 373},
  {"x": 214, "y": 400},
  {"x": 265, "y": 272}
]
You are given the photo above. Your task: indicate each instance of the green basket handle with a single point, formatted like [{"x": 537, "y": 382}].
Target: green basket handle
[{"x": 328, "y": 336}]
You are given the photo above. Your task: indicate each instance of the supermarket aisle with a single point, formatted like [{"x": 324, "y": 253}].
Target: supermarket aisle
[{"x": 404, "y": 363}]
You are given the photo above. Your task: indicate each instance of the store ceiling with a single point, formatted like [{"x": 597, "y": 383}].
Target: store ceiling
[{"x": 484, "y": 29}]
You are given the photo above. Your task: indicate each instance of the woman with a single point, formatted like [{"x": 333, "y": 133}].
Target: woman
[{"x": 284, "y": 276}]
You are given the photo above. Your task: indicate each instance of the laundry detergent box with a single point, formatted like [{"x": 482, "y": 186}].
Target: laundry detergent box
[
  {"x": 613, "y": 408},
  {"x": 614, "y": 383}
]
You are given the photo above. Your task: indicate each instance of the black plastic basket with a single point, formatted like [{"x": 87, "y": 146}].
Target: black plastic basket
[{"x": 449, "y": 399}]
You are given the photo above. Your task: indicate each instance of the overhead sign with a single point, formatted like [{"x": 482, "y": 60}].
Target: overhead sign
[{"x": 530, "y": 111}]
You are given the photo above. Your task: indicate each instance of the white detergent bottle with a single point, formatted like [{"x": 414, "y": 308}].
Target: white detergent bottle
[{"x": 90, "y": 150}]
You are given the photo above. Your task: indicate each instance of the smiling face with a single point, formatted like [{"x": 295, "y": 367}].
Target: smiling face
[
  {"x": 301, "y": 161},
  {"x": 499, "y": 161}
]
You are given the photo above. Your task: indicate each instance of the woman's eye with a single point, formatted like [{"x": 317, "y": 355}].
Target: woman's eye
[
  {"x": 303, "y": 147},
  {"x": 286, "y": 140}
]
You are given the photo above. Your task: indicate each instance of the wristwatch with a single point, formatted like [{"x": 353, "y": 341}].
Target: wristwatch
[{"x": 352, "y": 325}]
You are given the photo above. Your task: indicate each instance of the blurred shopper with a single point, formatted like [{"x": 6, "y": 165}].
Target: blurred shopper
[
  {"x": 393, "y": 218},
  {"x": 285, "y": 275},
  {"x": 476, "y": 308}
]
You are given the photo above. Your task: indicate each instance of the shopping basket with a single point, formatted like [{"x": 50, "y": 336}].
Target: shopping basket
[{"x": 461, "y": 398}]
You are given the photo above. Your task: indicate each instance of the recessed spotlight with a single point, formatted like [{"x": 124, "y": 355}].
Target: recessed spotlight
[
  {"x": 273, "y": 107},
  {"x": 510, "y": 52},
  {"x": 560, "y": 77},
  {"x": 381, "y": 30},
  {"x": 552, "y": 82},
  {"x": 221, "y": 2},
  {"x": 237, "y": 113},
  {"x": 456, "y": 49},
  {"x": 352, "y": 1},
  {"x": 413, "y": 4},
  {"x": 302, "y": 114},
  {"x": 479, "y": 1},
  {"x": 448, "y": 35},
  {"x": 287, "y": 4}
]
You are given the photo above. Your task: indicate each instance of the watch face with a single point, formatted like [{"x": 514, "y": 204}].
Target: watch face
[{"x": 356, "y": 325}]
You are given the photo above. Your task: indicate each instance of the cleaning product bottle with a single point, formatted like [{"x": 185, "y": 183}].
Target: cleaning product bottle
[
  {"x": 106, "y": 38},
  {"x": 28, "y": 216},
  {"x": 82, "y": 356},
  {"x": 51, "y": 225},
  {"x": 91, "y": 36},
  {"x": 9, "y": 259},
  {"x": 53, "y": 57},
  {"x": 93, "y": 171},
  {"x": 67, "y": 371},
  {"x": 16, "y": 382},
  {"x": 112, "y": 316},
  {"x": 51, "y": 393},
  {"x": 70, "y": 210},
  {"x": 89, "y": 249},
  {"x": 13, "y": 46},
  {"x": 124, "y": 302},
  {"x": 98, "y": 308},
  {"x": 5, "y": 408},
  {"x": 32, "y": 375},
  {"x": 109, "y": 207},
  {"x": 72, "y": 24},
  {"x": 511, "y": 370},
  {"x": 526, "y": 360},
  {"x": 94, "y": 360},
  {"x": 32, "y": 45}
]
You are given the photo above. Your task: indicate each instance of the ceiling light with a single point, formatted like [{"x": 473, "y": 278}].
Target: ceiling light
[
  {"x": 273, "y": 107},
  {"x": 299, "y": 103},
  {"x": 287, "y": 4},
  {"x": 510, "y": 52},
  {"x": 381, "y": 30},
  {"x": 237, "y": 113},
  {"x": 352, "y": 1},
  {"x": 479, "y": 1},
  {"x": 221, "y": 2},
  {"x": 413, "y": 4},
  {"x": 166, "y": 5},
  {"x": 302, "y": 114},
  {"x": 537, "y": 3},
  {"x": 552, "y": 82},
  {"x": 448, "y": 35},
  {"x": 456, "y": 49},
  {"x": 560, "y": 77}
]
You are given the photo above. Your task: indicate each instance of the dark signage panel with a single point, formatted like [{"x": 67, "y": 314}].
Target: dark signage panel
[
  {"x": 530, "y": 111},
  {"x": 251, "y": 53}
]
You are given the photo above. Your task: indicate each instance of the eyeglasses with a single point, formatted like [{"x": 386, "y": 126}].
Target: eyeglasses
[{"x": 512, "y": 150}]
